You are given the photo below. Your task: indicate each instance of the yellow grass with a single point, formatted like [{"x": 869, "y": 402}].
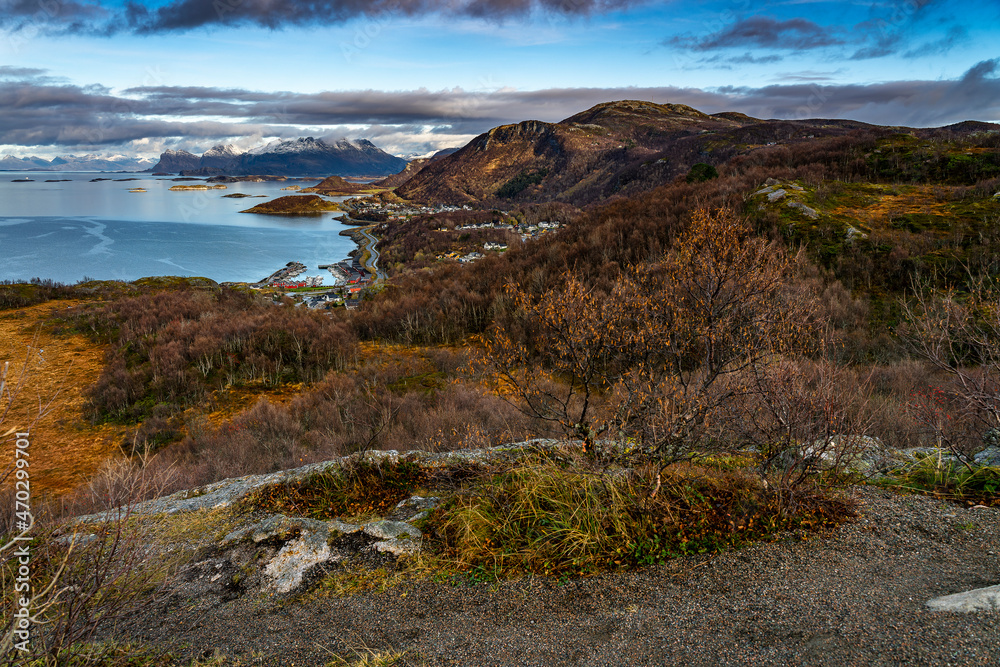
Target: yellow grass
[{"x": 65, "y": 448}]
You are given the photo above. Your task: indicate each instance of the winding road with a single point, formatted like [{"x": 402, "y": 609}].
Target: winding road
[{"x": 373, "y": 253}]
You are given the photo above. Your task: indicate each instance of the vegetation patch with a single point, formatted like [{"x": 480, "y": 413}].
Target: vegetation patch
[
  {"x": 521, "y": 182},
  {"x": 933, "y": 476},
  {"x": 549, "y": 520},
  {"x": 701, "y": 172},
  {"x": 360, "y": 489}
]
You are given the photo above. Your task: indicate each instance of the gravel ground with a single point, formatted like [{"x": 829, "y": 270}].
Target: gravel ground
[{"x": 853, "y": 597}]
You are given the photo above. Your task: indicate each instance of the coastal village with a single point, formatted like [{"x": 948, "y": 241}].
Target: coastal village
[{"x": 351, "y": 278}]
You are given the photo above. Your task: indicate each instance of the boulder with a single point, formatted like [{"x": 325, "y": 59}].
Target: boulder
[
  {"x": 988, "y": 457},
  {"x": 854, "y": 234},
  {"x": 776, "y": 195},
  {"x": 287, "y": 569},
  {"x": 277, "y": 527},
  {"x": 416, "y": 508},
  {"x": 810, "y": 213},
  {"x": 389, "y": 530}
]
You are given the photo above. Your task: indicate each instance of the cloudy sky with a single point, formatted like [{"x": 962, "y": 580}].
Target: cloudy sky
[{"x": 112, "y": 76}]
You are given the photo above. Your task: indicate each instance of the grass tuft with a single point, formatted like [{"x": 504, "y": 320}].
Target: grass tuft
[
  {"x": 552, "y": 521},
  {"x": 934, "y": 476}
]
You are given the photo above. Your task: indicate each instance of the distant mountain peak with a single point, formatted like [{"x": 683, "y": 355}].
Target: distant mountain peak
[
  {"x": 303, "y": 156},
  {"x": 222, "y": 150}
]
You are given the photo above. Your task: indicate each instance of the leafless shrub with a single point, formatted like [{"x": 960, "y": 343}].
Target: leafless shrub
[
  {"x": 959, "y": 335},
  {"x": 803, "y": 416}
]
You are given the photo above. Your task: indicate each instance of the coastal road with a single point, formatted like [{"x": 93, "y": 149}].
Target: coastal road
[{"x": 373, "y": 257}]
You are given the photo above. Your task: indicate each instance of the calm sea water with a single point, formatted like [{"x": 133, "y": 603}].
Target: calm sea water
[{"x": 70, "y": 230}]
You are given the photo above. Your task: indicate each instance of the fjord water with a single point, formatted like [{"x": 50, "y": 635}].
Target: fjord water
[{"x": 68, "y": 230}]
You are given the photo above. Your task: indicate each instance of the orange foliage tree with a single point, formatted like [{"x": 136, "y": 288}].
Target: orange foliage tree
[{"x": 665, "y": 348}]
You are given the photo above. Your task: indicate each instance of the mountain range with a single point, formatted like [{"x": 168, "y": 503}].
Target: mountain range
[
  {"x": 614, "y": 149},
  {"x": 297, "y": 157},
  {"x": 90, "y": 162}
]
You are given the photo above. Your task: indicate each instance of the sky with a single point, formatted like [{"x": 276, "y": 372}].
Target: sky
[{"x": 415, "y": 76}]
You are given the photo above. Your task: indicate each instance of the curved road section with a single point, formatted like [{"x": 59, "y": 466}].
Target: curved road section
[{"x": 370, "y": 242}]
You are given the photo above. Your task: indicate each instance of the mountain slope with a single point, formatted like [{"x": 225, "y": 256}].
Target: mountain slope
[
  {"x": 613, "y": 149},
  {"x": 412, "y": 168}
]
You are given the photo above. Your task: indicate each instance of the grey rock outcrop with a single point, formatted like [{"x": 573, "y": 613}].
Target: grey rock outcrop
[
  {"x": 988, "y": 457},
  {"x": 810, "y": 213},
  {"x": 979, "y": 599}
]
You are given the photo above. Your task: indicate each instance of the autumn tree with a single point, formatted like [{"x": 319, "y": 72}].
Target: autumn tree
[
  {"x": 716, "y": 306},
  {"x": 560, "y": 355},
  {"x": 664, "y": 348}
]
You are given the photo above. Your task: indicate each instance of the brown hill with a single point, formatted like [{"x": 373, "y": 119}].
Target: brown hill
[
  {"x": 613, "y": 149},
  {"x": 412, "y": 168},
  {"x": 408, "y": 172},
  {"x": 295, "y": 205},
  {"x": 335, "y": 185}
]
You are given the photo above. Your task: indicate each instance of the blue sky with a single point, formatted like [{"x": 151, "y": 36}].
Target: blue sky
[{"x": 417, "y": 75}]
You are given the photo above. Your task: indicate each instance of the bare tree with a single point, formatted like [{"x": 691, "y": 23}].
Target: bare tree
[
  {"x": 959, "y": 334},
  {"x": 566, "y": 357}
]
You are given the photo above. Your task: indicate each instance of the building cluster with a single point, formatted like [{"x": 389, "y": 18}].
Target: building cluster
[
  {"x": 488, "y": 225},
  {"x": 532, "y": 231},
  {"x": 395, "y": 212},
  {"x": 349, "y": 273},
  {"x": 308, "y": 281}
]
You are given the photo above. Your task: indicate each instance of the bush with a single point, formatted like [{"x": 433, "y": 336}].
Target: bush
[
  {"x": 171, "y": 349},
  {"x": 701, "y": 172}
]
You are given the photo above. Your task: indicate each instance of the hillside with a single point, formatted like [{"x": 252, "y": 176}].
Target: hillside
[
  {"x": 614, "y": 149},
  {"x": 294, "y": 205},
  {"x": 412, "y": 168},
  {"x": 335, "y": 185}
]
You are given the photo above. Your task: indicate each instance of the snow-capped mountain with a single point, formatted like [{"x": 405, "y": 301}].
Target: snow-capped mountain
[
  {"x": 91, "y": 162},
  {"x": 296, "y": 157},
  {"x": 220, "y": 156},
  {"x": 176, "y": 161}
]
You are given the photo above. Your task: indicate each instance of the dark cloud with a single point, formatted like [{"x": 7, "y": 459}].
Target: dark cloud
[
  {"x": 10, "y": 72},
  {"x": 956, "y": 35},
  {"x": 891, "y": 27},
  {"x": 888, "y": 29},
  {"x": 764, "y": 32},
  {"x": 108, "y": 17},
  {"x": 67, "y": 116}
]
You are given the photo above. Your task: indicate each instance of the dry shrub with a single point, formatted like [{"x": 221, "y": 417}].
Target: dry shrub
[
  {"x": 802, "y": 416},
  {"x": 173, "y": 348},
  {"x": 345, "y": 413},
  {"x": 550, "y": 520}
]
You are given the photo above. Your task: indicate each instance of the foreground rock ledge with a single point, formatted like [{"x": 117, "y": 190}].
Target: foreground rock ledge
[{"x": 979, "y": 599}]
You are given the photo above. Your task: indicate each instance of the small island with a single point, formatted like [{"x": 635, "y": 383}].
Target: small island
[
  {"x": 295, "y": 205},
  {"x": 186, "y": 188},
  {"x": 335, "y": 185}
]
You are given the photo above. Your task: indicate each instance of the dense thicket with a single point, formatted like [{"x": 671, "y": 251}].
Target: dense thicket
[{"x": 170, "y": 348}]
